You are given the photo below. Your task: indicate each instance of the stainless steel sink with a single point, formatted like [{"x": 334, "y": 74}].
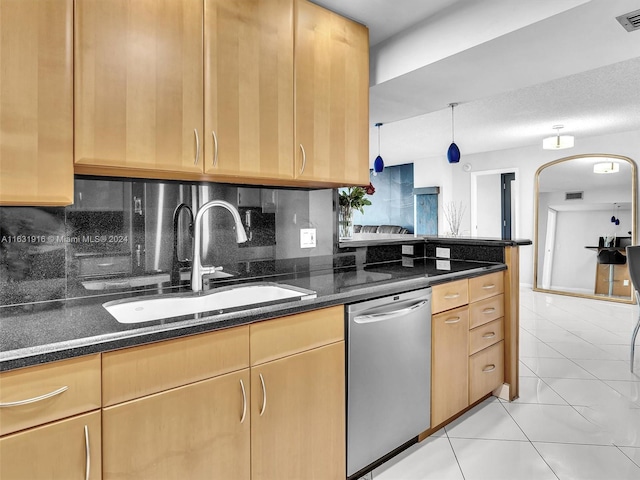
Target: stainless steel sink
[{"x": 145, "y": 309}]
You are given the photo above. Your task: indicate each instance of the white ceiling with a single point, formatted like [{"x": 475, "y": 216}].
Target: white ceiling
[{"x": 515, "y": 68}]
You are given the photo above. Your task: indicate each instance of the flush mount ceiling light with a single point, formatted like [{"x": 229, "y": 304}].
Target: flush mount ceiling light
[
  {"x": 378, "y": 163},
  {"x": 453, "y": 154},
  {"x": 606, "y": 167},
  {"x": 559, "y": 141}
]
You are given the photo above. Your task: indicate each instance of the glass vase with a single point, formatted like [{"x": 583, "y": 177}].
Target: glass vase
[{"x": 345, "y": 223}]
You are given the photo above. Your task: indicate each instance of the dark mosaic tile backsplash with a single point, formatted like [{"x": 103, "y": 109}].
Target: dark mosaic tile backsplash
[{"x": 124, "y": 229}]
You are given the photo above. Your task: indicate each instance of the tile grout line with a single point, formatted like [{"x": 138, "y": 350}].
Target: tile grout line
[{"x": 454, "y": 453}]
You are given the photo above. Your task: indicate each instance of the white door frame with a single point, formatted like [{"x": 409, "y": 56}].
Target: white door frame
[
  {"x": 515, "y": 190},
  {"x": 549, "y": 246}
]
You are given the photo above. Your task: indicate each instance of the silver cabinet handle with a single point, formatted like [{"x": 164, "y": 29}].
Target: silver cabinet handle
[
  {"x": 87, "y": 450},
  {"x": 451, "y": 295},
  {"x": 197, "y": 159},
  {"x": 304, "y": 159},
  {"x": 489, "y": 335},
  {"x": 264, "y": 396},
  {"x": 105, "y": 265},
  {"x": 452, "y": 320},
  {"x": 215, "y": 148},
  {"x": 489, "y": 310},
  {"x": 489, "y": 287},
  {"x": 489, "y": 368},
  {"x": 35, "y": 399},
  {"x": 244, "y": 402},
  {"x": 378, "y": 317}
]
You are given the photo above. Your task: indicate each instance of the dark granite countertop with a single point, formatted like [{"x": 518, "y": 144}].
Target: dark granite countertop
[
  {"x": 48, "y": 331},
  {"x": 368, "y": 239}
]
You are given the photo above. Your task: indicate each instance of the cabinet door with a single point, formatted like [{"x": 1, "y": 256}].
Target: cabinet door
[
  {"x": 332, "y": 97},
  {"x": 449, "y": 364},
  {"x": 196, "y": 431},
  {"x": 62, "y": 450},
  {"x": 249, "y": 88},
  {"x": 36, "y": 103},
  {"x": 138, "y": 84},
  {"x": 298, "y": 417}
]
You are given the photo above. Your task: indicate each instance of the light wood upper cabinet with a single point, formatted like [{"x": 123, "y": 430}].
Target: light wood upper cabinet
[
  {"x": 248, "y": 88},
  {"x": 139, "y": 84},
  {"x": 331, "y": 97},
  {"x": 36, "y": 102},
  {"x": 62, "y": 450}
]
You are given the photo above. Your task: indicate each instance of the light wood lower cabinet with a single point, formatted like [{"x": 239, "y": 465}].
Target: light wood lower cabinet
[
  {"x": 449, "y": 364},
  {"x": 298, "y": 416},
  {"x": 197, "y": 431},
  {"x": 62, "y": 450}
]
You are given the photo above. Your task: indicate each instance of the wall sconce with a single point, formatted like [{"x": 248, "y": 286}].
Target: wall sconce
[
  {"x": 559, "y": 141},
  {"x": 453, "y": 154},
  {"x": 378, "y": 163}
]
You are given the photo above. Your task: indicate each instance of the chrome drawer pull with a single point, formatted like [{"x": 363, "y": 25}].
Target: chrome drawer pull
[
  {"x": 451, "y": 295},
  {"x": 215, "y": 148},
  {"x": 35, "y": 399},
  {"x": 264, "y": 396},
  {"x": 304, "y": 159},
  {"x": 489, "y": 310},
  {"x": 197, "y": 159},
  {"x": 489, "y": 287},
  {"x": 489, "y": 368},
  {"x": 244, "y": 402},
  {"x": 452, "y": 320},
  {"x": 87, "y": 449},
  {"x": 489, "y": 335},
  {"x": 105, "y": 265}
]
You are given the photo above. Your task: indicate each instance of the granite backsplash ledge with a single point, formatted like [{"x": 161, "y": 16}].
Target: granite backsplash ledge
[{"x": 120, "y": 229}]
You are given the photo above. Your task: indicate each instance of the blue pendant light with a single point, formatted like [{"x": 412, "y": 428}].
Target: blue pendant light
[
  {"x": 453, "y": 154},
  {"x": 378, "y": 163}
]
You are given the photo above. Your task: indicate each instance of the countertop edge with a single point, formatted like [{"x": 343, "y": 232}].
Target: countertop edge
[{"x": 37, "y": 355}]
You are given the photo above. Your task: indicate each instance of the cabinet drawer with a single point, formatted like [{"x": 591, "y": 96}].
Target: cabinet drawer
[
  {"x": 449, "y": 295},
  {"x": 486, "y": 286},
  {"x": 138, "y": 371},
  {"x": 80, "y": 376},
  {"x": 284, "y": 336},
  {"x": 93, "y": 266},
  {"x": 486, "y": 310},
  {"x": 54, "y": 451},
  {"x": 486, "y": 335},
  {"x": 486, "y": 371}
]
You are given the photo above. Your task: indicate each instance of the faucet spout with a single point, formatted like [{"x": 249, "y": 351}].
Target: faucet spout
[{"x": 197, "y": 269}]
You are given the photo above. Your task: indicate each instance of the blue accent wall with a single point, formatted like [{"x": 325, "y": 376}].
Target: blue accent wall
[{"x": 392, "y": 202}]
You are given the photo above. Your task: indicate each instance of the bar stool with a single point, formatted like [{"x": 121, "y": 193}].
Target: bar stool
[{"x": 633, "y": 262}]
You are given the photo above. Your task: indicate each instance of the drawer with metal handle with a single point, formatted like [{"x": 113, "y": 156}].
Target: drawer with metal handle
[
  {"x": 450, "y": 295},
  {"x": 485, "y": 335},
  {"x": 486, "y": 286},
  {"x": 486, "y": 310},
  {"x": 486, "y": 371}
]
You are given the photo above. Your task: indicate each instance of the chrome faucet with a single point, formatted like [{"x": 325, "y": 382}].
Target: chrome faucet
[
  {"x": 197, "y": 269},
  {"x": 176, "y": 263}
]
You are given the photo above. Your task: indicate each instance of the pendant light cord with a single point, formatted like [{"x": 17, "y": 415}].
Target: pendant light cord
[
  {"x": 378, "y": 125},
  {"x": 452, "y": 105}
]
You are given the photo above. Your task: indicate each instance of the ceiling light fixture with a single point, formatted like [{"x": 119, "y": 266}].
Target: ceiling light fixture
[
  {"x": 378, "y": 163},
  {"x": 453, "y": 154},
  {"x": 559, "y": 141},
  {"x": 606, "y": 167}
]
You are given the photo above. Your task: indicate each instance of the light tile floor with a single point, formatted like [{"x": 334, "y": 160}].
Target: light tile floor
[{"x": 578, "y": 415}]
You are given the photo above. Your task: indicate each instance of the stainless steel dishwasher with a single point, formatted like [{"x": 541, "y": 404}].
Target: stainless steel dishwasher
[{"x": 388, "y": 375}]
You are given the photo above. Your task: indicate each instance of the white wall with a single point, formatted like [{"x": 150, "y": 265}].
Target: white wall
[
  {"x": 489, "y": 206},
  {"x": 527, "y": 159}
]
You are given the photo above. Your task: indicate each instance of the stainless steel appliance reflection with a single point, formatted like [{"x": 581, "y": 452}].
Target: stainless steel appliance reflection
[{"x": 388, "y": 375}]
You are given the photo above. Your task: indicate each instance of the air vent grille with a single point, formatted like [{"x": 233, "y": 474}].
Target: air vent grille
[
  {"x": 573, "y": 195},
  {"x": 630, "y": 21}
]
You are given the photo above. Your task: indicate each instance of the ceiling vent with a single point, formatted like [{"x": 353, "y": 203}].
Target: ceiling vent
[
  {"x": 630, "y": 21},
  {"x": 573, "y": 195}
]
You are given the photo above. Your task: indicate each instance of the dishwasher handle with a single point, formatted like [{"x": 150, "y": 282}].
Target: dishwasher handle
[{"x": 380, "y": 317}]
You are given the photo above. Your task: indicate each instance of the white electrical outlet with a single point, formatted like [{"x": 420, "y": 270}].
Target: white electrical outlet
[
  {"x": 307, "y": 238},
  {"x": 625, "y": 283},
  {"x": 442, "y": 252}
]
